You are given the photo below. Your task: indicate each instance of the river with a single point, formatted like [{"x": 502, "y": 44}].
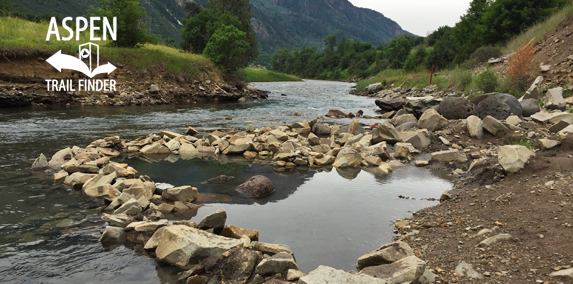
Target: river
[{"x": 49, "y": 234}]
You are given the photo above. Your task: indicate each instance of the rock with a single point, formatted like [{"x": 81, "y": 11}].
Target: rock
[
  {"x": 375, "y": 88},
  {"x": 386, "y": 254},
  {"x": 215, "y": 221},
  {"x": 547, "y": 144},
  {"x": 449, "y": 156},
  {"x": 270, "y": 249},
  {"x": 235, "y": 232},
  {"x": 60, "y": 177},
  {"x": 151, "y": 226},
  {"x": 385, "y": 132},
  {"x": 40, "y": 164},
  {"x": 325, "y": 161},
  {"x": 237, "y": 149},
  {"x": 112, "y": 235},
  {"x": 297, "y": 114},
  {"x": 187, "y": 151},
  {"x": 447, "y": 195},
  {"x": 119, "y": 220},
  {"x": 475, "y": 127},
  {"x": 407, "y": 126},
  {"x": 494, "y": 107},
  {"x": 541, "y": 117},
  {"x": 278, "y": 263},
  {"x": 559, "y": 126},
  {"x": 457, "y": 108},
  {"x": 191, "y": 131},
  {"x": 494, "y": 126},
  {"x": 514, "y": 157},
  {"x": 99, "y": 180},
  {"x": 173, "y": 145},
  {"x": 399, "y": 120},
  {"x": 256, "y": 187},
  {"x": 554, "y": 99},
  {"x": 495, "y": 239},
  {"x": 390, "y": 104},
  {"x": 154, "y": 89},
  {"x": 511, "y": 101},
  {"x": 237, "y": 266},
  {"x": 334, "y": 113},
  {"x": 77, "y": 180},
  {"x": 563, "y": 273},
  {"x": 60, "y": 158},
  {"x": 419, "y": 163},
  {"x": 106, "y": 190},
  {"x": 219, "y": 179},
  {"x": 184, "y": 246},
  {"x": 313, "y": 139},
  {"x": 534, "y": 92},
  {"x": 182, "y": 193},
  {"x": 402, "y": 151},
  {"x": 352, "y": 126},
  {"x": 405, "y": 270},
  {"x": 530, "y": 107},
  {"x": 154, "y": 149},
  {"x": 417, "y": 105},
  {"x": 385, "y": 168},
  {"x": 320, "y": 129},
  {"x": 348, "y": 157},
  {"x": 327, "y": 275},
  {"x": 432, "y": 120},
  {"x": 379, "y": 150},
  {"x": 427, "y": 277},
  {"x": 131, "y": 207},
  {"x": 294, "y": 274},
  {"x": 418, "y": 138},
  {"x": 467, "y": 270},
  {"x": 513, "y": 120},
  {"x": 198, "y": 279}
]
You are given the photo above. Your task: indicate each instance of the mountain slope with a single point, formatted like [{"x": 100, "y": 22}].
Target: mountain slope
[{"x": 277, "y": 23}]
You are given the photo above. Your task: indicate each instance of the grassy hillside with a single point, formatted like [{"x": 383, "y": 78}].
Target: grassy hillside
[
  {"x": 20, "y": 34},
  {"x": 264, "y": 75}
]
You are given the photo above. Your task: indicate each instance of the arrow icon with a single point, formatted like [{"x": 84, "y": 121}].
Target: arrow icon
[{"x": 63, "y": 61}]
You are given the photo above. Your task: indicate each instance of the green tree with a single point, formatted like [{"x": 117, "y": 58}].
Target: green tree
[
  {"x": 226, "y": 48},
  {"x": 5, "y": 5},
  {"x": 197, "y": 30},
  {"x": 130, "y": 23},
  {"x": 192, "y": 9},
  {"x": 416, "y": 59}
]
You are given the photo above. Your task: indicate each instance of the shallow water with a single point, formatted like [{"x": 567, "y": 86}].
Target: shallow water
[{"x": 49, "y": 234}]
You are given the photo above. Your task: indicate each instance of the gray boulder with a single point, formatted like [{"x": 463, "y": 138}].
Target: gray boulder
[
  {"x": 530, "y": 107},
  {"x": 325, "y": 274},
  {"x": 386, "y": 254},
  {"x": 456, "y": 108},
  {"x": 112, "y": 235},
  {"x": 514, "y": 157},
  {"x": 554, "y": 99},
  {"x": 405, "y": 270},
  {"x": 320, "y": 129},
  {"x": 278, "y": 263},
  {"x": 390, "y": 104},
  {"x": 398, "y": 120},
  {"x": 432, "y": 120},
  {"x": 374, "y": 88},
  {"x": 40, "y": 164},
  {"x": 512, "y": 102},
  {"x": 60, "y": 158},
  {"x": 256, "y": 187},
  {"x": 215, "y": 221},
  {"x": 494, "y": 107}
]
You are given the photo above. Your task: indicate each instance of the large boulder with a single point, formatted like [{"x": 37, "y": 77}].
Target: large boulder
[
  {"x": 405, "y": 270},
  {"x": 530, "y": 107},
  {"x": 554, "y": 99},
  {"x": 236, "y": 267},
  {"x": 493, "y": 106},
  {"x": 320, "y": 129},
  {"x": 215, "y": 221},
  {"x": 386, "y": 254},
  {"x": 494, "y": 126},
  {"x": 334, "y": 113},
  {"x": 456, "y": 108},
  {"x": 514, "y": 157},
  {"x": 279, "y": 263},
  {"x": 232, "y": 231},
  {"x": 419, "y": 138},
  {"x": 325, "y": 274},
  {"x": 256, "y": 187},
  {"x": 181, "y": 193},
  {"x": 112, "y": 235},
  {"x": 184, "y": 246},
  {"x": 390, "y": 104},
  {"x": 60, "y": 158},
  {"x": 374, "y": 88},
  {"x": 401, "y": 119},
  {"x": 432, "y": 120},
  {"x": 385, "y": 132},
  {"x": 512, "y": 102},
  {"x": 348, "y": 157}
]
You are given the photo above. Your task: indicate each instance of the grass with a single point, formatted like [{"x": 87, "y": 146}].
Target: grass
[
  {"x": 18, "y": 34},
  {"x": 419, "y": 79},
  {"x": 538, "y": 31},
  {"x": 264, "y": 75},
  {"x": 526, "y": 143}
]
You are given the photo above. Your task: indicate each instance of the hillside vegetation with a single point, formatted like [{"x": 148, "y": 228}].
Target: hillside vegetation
[{"x": 264, "y": 75}]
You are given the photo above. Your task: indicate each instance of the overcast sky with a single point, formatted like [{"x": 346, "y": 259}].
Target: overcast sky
[{"x": 418, "y": 16}]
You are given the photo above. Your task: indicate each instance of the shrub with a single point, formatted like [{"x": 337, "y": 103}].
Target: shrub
[
  {"x": 519, "y": 65},
  {"x": 461, "y": 79},
  {"x": 487, "y": 81},
  {"x": 482, "y": 55}
]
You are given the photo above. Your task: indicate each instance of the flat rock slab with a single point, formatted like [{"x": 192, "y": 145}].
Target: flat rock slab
[
  {"x": 495, "y": 239},
  {"x": 329, "y": 275},
  {"x": 405, "y": 270}
]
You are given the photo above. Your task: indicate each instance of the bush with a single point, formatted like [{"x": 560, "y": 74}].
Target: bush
[
  {"x": 461, "y": 79},
  {"x": 482, "y": 55},
  {"x": 520, "y": 64},
  {"x": 487, "y": 81},
  {"x": 226, "y": 47}
]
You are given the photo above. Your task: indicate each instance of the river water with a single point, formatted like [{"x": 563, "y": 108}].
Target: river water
[{"x": 50, "y": 235}]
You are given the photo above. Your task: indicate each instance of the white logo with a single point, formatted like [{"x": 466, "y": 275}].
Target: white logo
[{"x": 63, "y": 61}]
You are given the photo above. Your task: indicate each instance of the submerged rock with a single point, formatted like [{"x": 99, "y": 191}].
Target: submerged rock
[
  {"x": 41, "y": 163},
  {"x": 219, "y": 180},
  {"x": 256, "y": 187}
]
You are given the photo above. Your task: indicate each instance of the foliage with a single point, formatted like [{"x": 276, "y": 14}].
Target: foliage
[
  {"x": 525, "y": 143},
  {"x": 5, "y": 5},
  {"x": 226, "y": 48},
  {"x": 519, "y": 65},
  {"x": 263, "y": 75},
  {"x": 198, "y": 29},
  {"x": 482, "y": 55},
  {"x": 130, "y": 24},
  {"x": 487, "y": 81},
  {"x": 461, "y": 79},
  {"x": 416, "y": 59}
]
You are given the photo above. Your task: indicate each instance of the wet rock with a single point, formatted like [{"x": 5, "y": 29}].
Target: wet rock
[
  {"x": 256, "y": 187},
  {"x": 530, "y": 107},
  {"x": 447, "y": 195},
  {"x": 492, "y": 106},
  {"x": 184, "y": 246},
  {"x": 40, "y": 164},
  {"x": 154, "y": 149},
  {"x": 495, "y": 239},
  {"x": 475, "y": 127},
  {"x": 325, "y": 274},
  {"x": 405, "y": 270},
  {"x": 215, "y": 221},
  {"x": 278, "y": 263},
  {"x": 467, "y": 270},
  {"x": 77, "y": 180},
  {"x": 131, "y": 207},
  {"x": 60, "y": 158},
  {"x": 219, "y": 179},
  {"x": 236, "y": 266},
  {"x": 191, "y": 131},
  {"x": 390, "y": 104},
  {"x": 348, "y": 157},
  {"x": 235, "y": 232},
  {"x": 457, "y": 108},
  {"x": 297, "y": 114},
  {"x": 118, "y": 220},
  {"x": 182, "y": 193},
  {"x": 112, "y": 235},
  {"x": 402, "y": 151},
  {"x": 449, "y": 156},
  {"x": 270, "y": 249},
  {"x": 107, "y": 191},
  {"x": 60, "y": 177},
  {"x": 432, "y": 120},
  {"x": 334, "y": 113},
  {"x": 385, "y": 132},
  {"x": 320, "y": 129},
  {"x": 386, "y": 254},
  {"x": 554, "y": 99},
  {"x": 494, "y": 126},
  {"x": 514, "y": 157},
  {"x": 385, "y": 168}
]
